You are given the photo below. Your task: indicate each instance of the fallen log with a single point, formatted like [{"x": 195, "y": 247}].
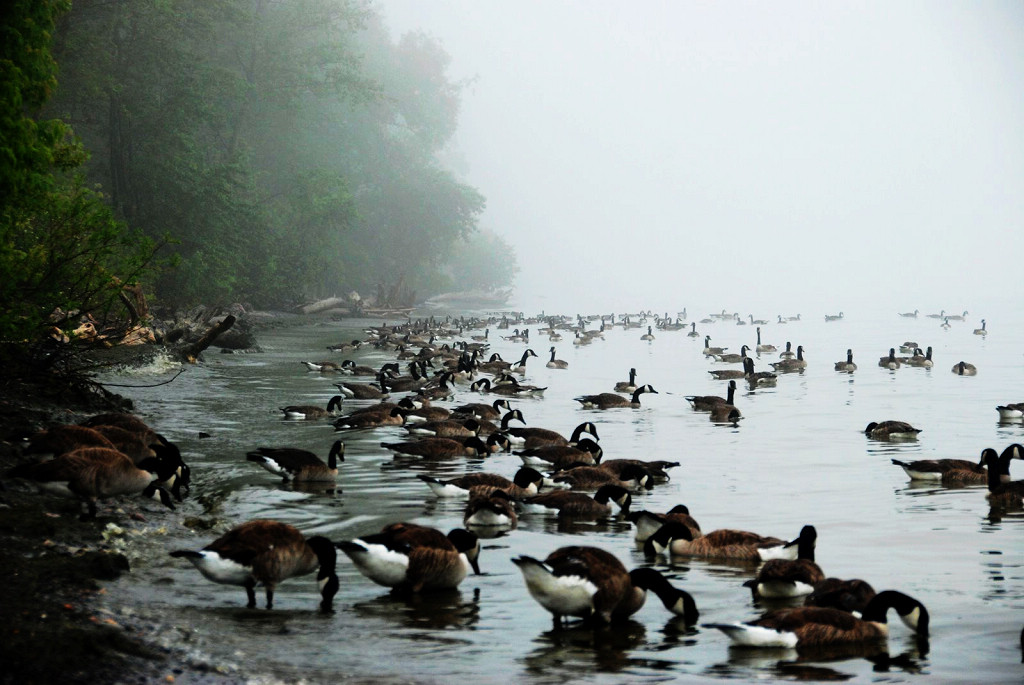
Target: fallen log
[
  {"x": 321, "y": 305},
  {"x": 190, "y": 353}
]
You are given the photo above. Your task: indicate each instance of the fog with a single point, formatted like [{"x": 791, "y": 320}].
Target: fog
[{"x": 760, "y": 157}]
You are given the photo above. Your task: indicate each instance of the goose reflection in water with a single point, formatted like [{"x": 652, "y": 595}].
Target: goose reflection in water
[
  {"x": 581, "y": 647},
  {"x": 436, "y": 610},
  {"x": 791, "y": 664}
]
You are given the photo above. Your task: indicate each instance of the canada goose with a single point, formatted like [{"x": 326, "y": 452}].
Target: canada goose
[
  {"x": 1011, "y": 411},
  {"x": 657, "y": 469},
  {"x": 764, "y": 379},
  {"x": 482, "y": 338},
  {"x": 787, "y": 353},
  {"x": 351, "y": 368},
  {"x": 307, "y": 411},
  {"x": 591, "y": 583},
  {"x": 520, "y": 368},
  {"x": 63, "y": 438},
  {"x": 383, "y": 415},
  {"x": 710, "y": 351},
  {"x": 981, "y": 331},
  {"x": 608, "y": 400},
  {"x": 818, "y": 627},
  {"x": 910, "y": 315},
  {"x": 446, "y": 429},
  {"x": 790, "y": 577},
  {"x": 346, "y": 347},
  {"x": 846, "y": 595},
  {"x": 924, "y": 361},
  {"x": 763, "y": 348},
  {"x": 708, "y": 402},
  {"x": 648, "y": 523},
  {"x": 299, "y": 466},
  {"x": 724, "y": 543},
  {"x": 946, "y": 324},
  {"x": 908, "y": 346},
  {"x": 265, "y": 552},
  {"x": 556, "y": 363},
  {"x": 847, "y": 366},
  {"x": 833, "y": 317},
  {"x": 532, "y": 437},
  {"x": 584, "y": 477},
  {"x": 94, "y": 473},
  {"x": 944, "y": 470},
  {"x": 526, "y": 482},
  {"x": 725, "y": 413},
  {"x": 586, "y": 451},
  {"x": 129, "y": 422},
  {"x": 407, "y": 556},
  {"x": 442, "y": 391},
  {"x": 129, "y": 443},
  {"x": 965, "y": 369},
  {"x": 365, "y": 391},
  {"x": 323, "y": 367},
  {"x": 792, "y": 364},
  {"x": 1001, "y": 489},
  {"x": 513, "y": 388},
  {"x": 424, "y": 412},
  {"x": 728, "y": 374},
  {"x": 756, "y": 322},
  {"x": 480, "y": 410},
  {"x": 627, "y": 386},
  {"x": 733, "y": 358},
  {"x": 577, "y": 504},
  {"x": 957, "y": 317},
  {"x": 490, "y": 509},
  {"x": 891, "y": 430},
  {"x": 440, "y": 447},
  {"x": 488, "y": 427},
  {"x": 890, "y": 362},
  {"x": 940, "y": 315},
  {"x": 693, "y": 331},
  {"x": 648, "y": 335}
]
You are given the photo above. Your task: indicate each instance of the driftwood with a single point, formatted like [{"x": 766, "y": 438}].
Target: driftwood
[
  {"x": 322, "y": 305},
  {"x": 191, "y": 352}
]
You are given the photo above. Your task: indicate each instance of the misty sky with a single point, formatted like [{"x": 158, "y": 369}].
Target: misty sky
[{"x": 761, "y": 157}]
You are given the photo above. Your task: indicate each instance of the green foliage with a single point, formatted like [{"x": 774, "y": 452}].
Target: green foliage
[{"x": 290, "y": 150}]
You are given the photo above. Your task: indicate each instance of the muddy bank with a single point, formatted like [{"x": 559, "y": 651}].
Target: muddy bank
[{"x": 54, "y": 628}]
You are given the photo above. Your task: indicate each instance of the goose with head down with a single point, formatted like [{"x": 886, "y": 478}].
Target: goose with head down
[
  {"x": 414, "y": 558},
  {"x": 566, "y": 503},
  {"x": 592, "y": 584},
  {"x": 809, "y": 627},
  {"x": 891, "y": 430}
]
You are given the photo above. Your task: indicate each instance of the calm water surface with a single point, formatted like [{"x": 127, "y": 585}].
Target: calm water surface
[{"x": 797, "y": 457}]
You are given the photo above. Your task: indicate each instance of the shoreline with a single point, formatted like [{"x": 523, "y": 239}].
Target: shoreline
[{"x": 56, "y": 629}]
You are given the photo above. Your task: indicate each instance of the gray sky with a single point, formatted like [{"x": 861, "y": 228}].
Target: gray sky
[{"x": 763, "y": 157}]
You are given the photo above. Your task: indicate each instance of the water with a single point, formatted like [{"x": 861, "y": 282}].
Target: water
[{"x": 798, "y": 456}]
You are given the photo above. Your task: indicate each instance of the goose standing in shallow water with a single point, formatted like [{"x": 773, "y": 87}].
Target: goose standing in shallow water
[
  {"x": 847, "y": 366},
  {"x": 407, "y": 556},
  {"x": 265, "y": 552},
  {"x": 820, "y": 627},
  {"x": 590, "y": 583}
]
